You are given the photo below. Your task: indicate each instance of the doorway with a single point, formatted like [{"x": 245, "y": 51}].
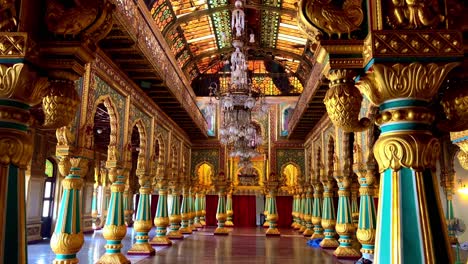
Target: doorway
[{"x": 48, "y": 199}]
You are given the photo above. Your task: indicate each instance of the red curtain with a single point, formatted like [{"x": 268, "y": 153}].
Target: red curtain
[
  {"x": 154, "y": 206},
  {"x": 284, "y": 207},
  {"x": 243, "y": 207},
  {"x": 211, "y": 206}
]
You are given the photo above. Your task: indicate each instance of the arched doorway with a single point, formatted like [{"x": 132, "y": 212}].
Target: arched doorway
[{"x": 50, "y": 173}]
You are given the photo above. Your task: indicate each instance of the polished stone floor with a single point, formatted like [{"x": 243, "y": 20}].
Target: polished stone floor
[{"x": 243, "y": 245}]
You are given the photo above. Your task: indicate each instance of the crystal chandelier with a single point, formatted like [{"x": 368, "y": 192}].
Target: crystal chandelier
[{"x": 240, "y": 98}]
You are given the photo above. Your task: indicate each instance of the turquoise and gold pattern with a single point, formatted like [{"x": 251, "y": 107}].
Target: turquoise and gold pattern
[
  {"x": 143, "y": 224},
  {"x": 272, "y": 217},
  {"x": 175, "y": 217},
  {"x": 161, "y": 221},
  {"x": 229, "y": 211},
  {"x": 114, "y": 229},
  {"x": 185, "y": 212},
  {"x": 221, "y": 215},
  {"x": 308, "y": 213}
]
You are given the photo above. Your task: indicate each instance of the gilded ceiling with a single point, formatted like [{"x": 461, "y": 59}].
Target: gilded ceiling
[{"x": 199, "y": 34}]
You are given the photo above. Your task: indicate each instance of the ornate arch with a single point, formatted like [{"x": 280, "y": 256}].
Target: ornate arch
[
  {"x": 158, "y": 160},
  {"x": 142, "y": 156},
  {"x": 259, "y": 176},
  {"x": 197, "y": 167},
  {"x": 283, "y": 176},
  {"x": 113, "y": 122}
]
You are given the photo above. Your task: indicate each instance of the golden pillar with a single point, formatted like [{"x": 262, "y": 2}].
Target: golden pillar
[{"x": 272, "y": 185}]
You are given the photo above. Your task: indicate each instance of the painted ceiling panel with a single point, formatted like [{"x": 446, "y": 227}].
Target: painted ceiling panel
[{"x": 200, "y": 38}]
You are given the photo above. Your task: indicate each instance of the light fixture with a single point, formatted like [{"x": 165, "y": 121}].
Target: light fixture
[
  {"x": 239, "y": 98},
  {"x": 99, "y": 131},
  {"x": 463, "y": 189}
]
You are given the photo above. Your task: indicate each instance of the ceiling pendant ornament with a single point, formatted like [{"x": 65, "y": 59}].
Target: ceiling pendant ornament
[{"x": 239, "y": 98}]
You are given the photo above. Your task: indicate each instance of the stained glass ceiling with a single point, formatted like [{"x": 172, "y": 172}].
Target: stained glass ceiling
[{"x": 198, "y": 32}]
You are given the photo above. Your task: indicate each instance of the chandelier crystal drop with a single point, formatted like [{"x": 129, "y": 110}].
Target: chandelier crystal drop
[{"x": 239, "y": 98}]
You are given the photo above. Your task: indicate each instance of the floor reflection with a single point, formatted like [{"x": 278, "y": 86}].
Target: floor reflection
[{"x": 243, "y": 245}]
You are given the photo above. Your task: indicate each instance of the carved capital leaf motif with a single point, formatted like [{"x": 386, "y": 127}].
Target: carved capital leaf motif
[
  {"x": 415, "y": 80},
  {"x": 331, "y": 17},
  {"x": 343, "y": 102}
]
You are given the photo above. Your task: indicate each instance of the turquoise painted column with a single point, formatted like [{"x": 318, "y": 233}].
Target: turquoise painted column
[
  {"x": 185, "y": 212},
  {"x": 308, "y": 212},
  {"x": 229, "y": 211},
  {"x": 265, "y": 212},
  {"x": 191, "y": 205},
  {"x": 174, "y": 215},
  {"x": 354, "y": 203},
  {"x": 221, "y": 215},
  {"x": 68, "y": 238},
  {"x": 272, "y": 217},
  {"x": 198, "y": 209},
  {"x": 302, "y": 212},
  {"x": 128, "y": 205},
  {"x": 410, "y": 222},
  {"x": 317, "y": 211},
  {"x": 161, "y": 221},
  {"x": 115, "y": 229},
  {"x": 142, "y": 224},
  {"x": 203, "y": 207},
  {"x": 328, "y": 216},
  {"x": 294, "y": 210}
]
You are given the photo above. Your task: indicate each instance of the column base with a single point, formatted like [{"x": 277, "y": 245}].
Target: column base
[
  {"x": 308, "y": 232},
  {"x": 114, "y": 258},
  {"x": 202, "y": 222},
  {"x": 185, "y": 230},
  {"x": 228, "y": 223},
  {"x": 317, "y": 235},
  {"x": 302, "y": 229},
  {"x": 142, "y": 249},
  {"x": 266, "y": 225},
  {"x": 453, "y": 240},
  {"x": 297, "y": 226},
  {"x": 222, "y": 231},
  {"x": 347, "y": 253},
  {"x": 175, "y": 234},
  {"x": 329, "y": 243},
  {"x": 272, "y": 232},
  {"x": 161, "y": 241},
  {"x": 198, "y": 225}
]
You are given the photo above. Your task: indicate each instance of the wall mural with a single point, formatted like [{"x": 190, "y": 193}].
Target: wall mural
[
  {"x": 205, "y": 155},
  {"x": 210, "y": 120},
  {"x": 285, "y": 156},
  {"x": 286, "y": 110}
]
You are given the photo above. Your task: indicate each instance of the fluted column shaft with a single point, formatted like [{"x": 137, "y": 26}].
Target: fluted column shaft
[
  {"x": 115, "y": 229},
  {"x": 302, "y": 213},
  {"x": 328, "y": 219},
  {"x": 203, "y": 208},
  {"x": 175, "y": 217},
  {"x": 265, "y": 212},
  {"x": 229, "y": 211},
  {"x": 143, "y": 224},
  {"x": 317, "y": 212},
  {"x": 272, "y": 217},
  {"x": 221, "y": 215},
  {"x": 68, "y": 238},
  {"x": 198, "y": 210},
  {"x": 308, "y": 213},
  {"x": 185, "y": 213},
  {"x": 161, "y": 221},
  {"x": 410, "y": 224}
]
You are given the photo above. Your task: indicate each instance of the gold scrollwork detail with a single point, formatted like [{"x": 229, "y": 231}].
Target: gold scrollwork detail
[
  {"x": 344, "y": 228},
  {"x": 15, "y": 148},
  {"x": 114, "y": 232},
  {"x": 411, "y": 14},
  {"x": 405, "y": 150},
  {"x": 406, "y": 114},
  {"x": 331, "y": 17},
  {"x": 19, "y": 83},
  {"x": 142, "y": 226},
  {"x": 366, "y": 236},
  {"x": 161, "y": 221},
  {"x": 63, "y": 243},
  {"x": 343, "y": 102},
  {"x": 415, "y": 80},
  {"x": 455, "y": 104},
  {"x": 463, "y": 159},
  {"x": 328, "y": 223}
]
